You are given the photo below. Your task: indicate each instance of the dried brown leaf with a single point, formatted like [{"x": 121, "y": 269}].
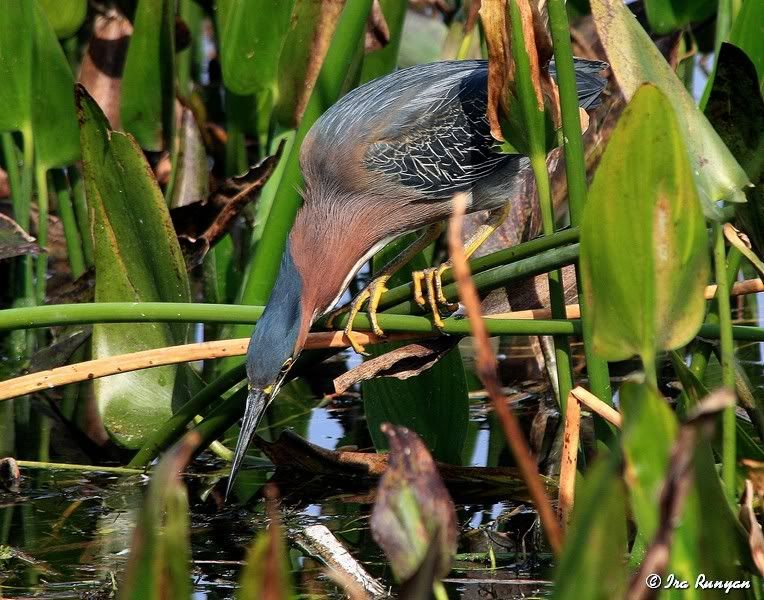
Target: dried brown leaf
[
  {"x": 401, "y": 363},
  {"x": 218, "y": 212},
  {"x": 752, "y": 526},
  {"x": 377, "y": 31},
  {"x": 501, "y": 67},
  {"x": 14, "y": 241},
  {"x": 104, "y": 59}
]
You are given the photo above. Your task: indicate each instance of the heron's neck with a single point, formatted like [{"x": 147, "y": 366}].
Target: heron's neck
[{"x": 329, "y": 247}]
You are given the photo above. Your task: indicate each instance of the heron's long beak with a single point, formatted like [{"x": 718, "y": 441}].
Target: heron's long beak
[{"x": 257, "y": 402}]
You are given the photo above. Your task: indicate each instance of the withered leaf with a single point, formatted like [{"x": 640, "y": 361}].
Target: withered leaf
[
  {"x": 752, "y": 526},
  {"x": 216, "y": 214},
  {"x": 103, "y": 62},
  {"x": 413, "y": 510},
  {"x": 401, "y": 363},
  {"x": 14, "y": 241},
  {"x": 377, "y": 31}
]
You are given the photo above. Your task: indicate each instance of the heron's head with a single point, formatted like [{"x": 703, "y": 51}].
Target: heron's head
[{"x": 275, "y": 344}]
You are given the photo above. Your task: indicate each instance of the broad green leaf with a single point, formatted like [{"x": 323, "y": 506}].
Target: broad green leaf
[
  {"x": 593, "y": 563},
  {"x": 666, "y": 16},
  {"x": 65, "y": 16},
  {"x": 159, "y": 565},
  {"x": 16, "y": 35},
  {"x": 148, "y": 79},
  {"x": 635, "y": 60},
  {"x": 252, "y": 35},
  {"x": 434, "y": 404},
  {"x": 137, "y": 258},
  {"x": 748, "y": 33},
  {"x": 37, "y": 93},
  {"x": 644, "y": 259}
]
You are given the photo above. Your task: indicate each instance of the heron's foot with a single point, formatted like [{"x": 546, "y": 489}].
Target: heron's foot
[
  {"x": 431, "y": 280},
  {"x": 371, "y": 294}
]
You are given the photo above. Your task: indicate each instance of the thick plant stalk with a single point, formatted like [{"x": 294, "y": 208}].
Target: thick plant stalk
[
  {"x": 71, "y": 232},
  {"x": 728, "y": 363},
  {"x": 575, "y": 171},
  {"x": 486, "y": 368}
]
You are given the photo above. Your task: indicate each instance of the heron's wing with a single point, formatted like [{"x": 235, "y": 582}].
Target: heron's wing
[{"x": 437, "y": 139}]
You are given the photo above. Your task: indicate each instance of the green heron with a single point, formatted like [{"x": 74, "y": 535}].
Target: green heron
[{"x": 385, "y": 160}]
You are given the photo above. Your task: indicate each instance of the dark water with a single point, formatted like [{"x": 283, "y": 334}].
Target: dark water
[{"x": 65, "y": 534}]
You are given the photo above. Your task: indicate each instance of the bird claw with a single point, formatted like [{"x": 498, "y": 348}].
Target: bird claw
[
  {"x": 432, "y": 280},
  {"x": 371, "y": 293}
]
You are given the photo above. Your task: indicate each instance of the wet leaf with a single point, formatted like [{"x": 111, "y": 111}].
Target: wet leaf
[
  {"x": 265, "y": 575},
  {"x": 413, "y": 509},
  {"x": 635, "y": 60},
  {"x": 160, "y": 551},
  {"x": 252, "y": 34},
  {"x": 14, "y": 241},
  {"x": 137, "y": 259},
  {"x": 103, "y": 62},
  {"x": 666, "y": 16},
  {"x": 644, "y": 258},
  {"x": 37, "y": 94},
  {"x": 65, "y": 16},
  {"x": 593, "y": 564},
  {"x": 148, "y": 81}
]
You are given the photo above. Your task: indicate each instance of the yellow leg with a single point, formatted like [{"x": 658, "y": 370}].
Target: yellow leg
[
  {"x": 432, "y": 277},
  {"x": 373, "y": 292}
]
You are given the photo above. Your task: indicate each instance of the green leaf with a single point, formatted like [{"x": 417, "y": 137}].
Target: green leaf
[
  {"x": 666, "y": 16},
  {"x": 636, "y": 60},
  {"x": 644, "y": 257},
  {"x": 252, "y": 35},
  {"x": 593, "y": 564},
  {"x": 137, "y": 258},
  {"x": 148, "y": 79},
  {"x": 747, "y": 33},
  {"x": 65, "y": 16},
  {"x": 37, "y": 94}
]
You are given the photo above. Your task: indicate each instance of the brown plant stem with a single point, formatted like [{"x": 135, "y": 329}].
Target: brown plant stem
[{"x": 486, "y": 367}]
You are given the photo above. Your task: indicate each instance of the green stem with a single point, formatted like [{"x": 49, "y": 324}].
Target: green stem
[
  {"x": 513, "y": 254},
  {"x": 535, "y": 121},
  {"x": 556, "y": 288},
  {"x": 575, "y": 171},
  {"x": 41, "y": 176},
  {"x": 180, "y": 312},
  {"x": 176, "y": 425},
  {"x": 33, "y": 464},
  {"x": 71, "y": 233},
  {"x": 498, "y": 277},
  {"x": 728, "y": 362},
  {"x": 11, "y": 160},
  {"x": 81, "y": 210}
]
